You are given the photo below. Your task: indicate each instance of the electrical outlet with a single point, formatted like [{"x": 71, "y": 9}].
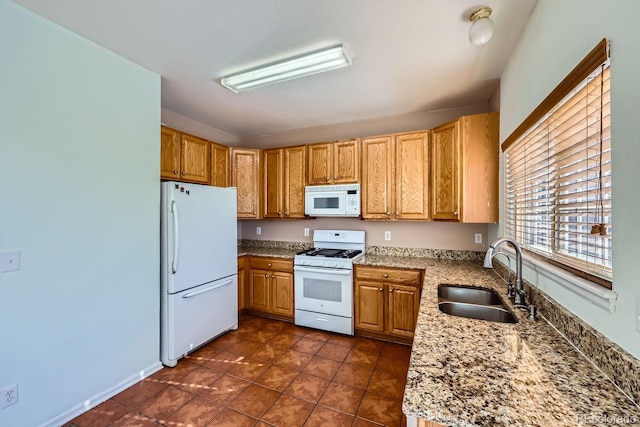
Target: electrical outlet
[
  {"x": 478, "y": 238},
  {"x": 306, "y": 232},
  {"x": 10, "y": 261},
  {"x": 387, "y": 235},
  {"x": 258, "y": 231},
  {"x": 8, "y": 396}
]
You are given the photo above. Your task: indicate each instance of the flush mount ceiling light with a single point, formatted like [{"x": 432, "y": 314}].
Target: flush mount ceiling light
[
  {"x": 303, "y": 65},
  {"x": 482, "y": 26}
]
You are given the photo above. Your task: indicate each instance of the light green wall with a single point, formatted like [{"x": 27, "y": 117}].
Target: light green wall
[
  {"x": 557, "y": 36},
  {"x": 79, "y": 196}
]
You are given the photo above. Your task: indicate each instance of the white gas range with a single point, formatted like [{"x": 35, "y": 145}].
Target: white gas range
[{"x": 324, "y": 280}]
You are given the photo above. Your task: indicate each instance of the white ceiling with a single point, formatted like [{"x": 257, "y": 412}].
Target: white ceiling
[{"x": 409, "y": 56}]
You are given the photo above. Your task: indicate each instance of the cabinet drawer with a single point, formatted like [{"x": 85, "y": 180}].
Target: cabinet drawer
[
  {"x": 406, "y": 277},
  {"x": 272, "y": 264}
]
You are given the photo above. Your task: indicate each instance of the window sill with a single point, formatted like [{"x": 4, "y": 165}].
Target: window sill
[{"x": 591, "y": 292}]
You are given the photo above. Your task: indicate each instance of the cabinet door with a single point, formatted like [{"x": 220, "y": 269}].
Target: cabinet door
[
  {"x": 412, "y": 176},
  {"x": 377, "y": 164},
  {"x": 259, "y": 290},
  {"x": 242, "y": 286},
  {"x": 369, "y": 307},
  {"x": 481, "y": 165},
  {"x": 346, "y": 161},
  {"x": 402, "y": 309},
  {"x": 272, "y": 194},
  {"x": 169, "y": 153},
  {"x": 293, "y": 191},
  {"x": 195, "y": 159},
  {"x": 319, "y": 168},
  {"x": 281, "y": 293},
  {"x": 245, "y": 177},
  {"x": 219, "y": 165},
  {"x": 445, "y": 194}
]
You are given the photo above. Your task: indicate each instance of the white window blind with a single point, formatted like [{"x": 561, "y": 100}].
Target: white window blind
[{"x": 558, "y": 180}]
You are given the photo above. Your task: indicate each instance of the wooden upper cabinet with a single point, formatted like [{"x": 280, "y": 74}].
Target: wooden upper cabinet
[
  {"x": 272, "y": 193},
  {"x": 169, "y": 153},
  {"x": 245, "y": 176},
  {"x": 195, "y": 159},
  {"x": 283, "y": 195},
  {"x": 319, "y": 168},
  {"x": 464, "y": 167},
  {"x": 219, "y": 165},
  {"x": 333, "y": 163},
  {"x": 294, "y": 176},
  {"x": 346, "y": 161},
  {"x": 480, "y": 167},
  {"x": 445, "y": 195},
  {"x": 412, "y": 176},
  {"x": 377, "y": 177}
]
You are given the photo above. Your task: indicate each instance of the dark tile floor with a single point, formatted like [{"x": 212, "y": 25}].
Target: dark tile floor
[{"x": 268, "y": 373}]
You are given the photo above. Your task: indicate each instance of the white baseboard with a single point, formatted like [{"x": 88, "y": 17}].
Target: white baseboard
[{"x": 98, "y": 398}]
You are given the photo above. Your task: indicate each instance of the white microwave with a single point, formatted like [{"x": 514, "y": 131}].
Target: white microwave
[{"x": 332, "y": 200}]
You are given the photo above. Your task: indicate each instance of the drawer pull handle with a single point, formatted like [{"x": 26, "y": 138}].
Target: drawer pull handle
[
  {"x": 269, "y": 264},
  {"x": 385, "y": 275}
]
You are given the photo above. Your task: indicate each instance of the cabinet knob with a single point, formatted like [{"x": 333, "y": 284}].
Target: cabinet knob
[
  {"x": 455, "y": 212},
  {"x": 184, "y": 173},
  {"x": 390, "y": 291},
  {"x": 279, "y": 213},
  {"x": 255, "y": 213},
  {"x": 286, "y": 214},
  {"x": 335, "y": 177},
  {"x": 385, "y": 275},
  {"x": 273, "y": 277},
  {"x": 269, "y": 264},
  {"x": 266, "y": 276},
  {"x": 397, "y": 213},
  {"x": 388, "y": 213},
  {"x": 175, "y": 172},
  {"x": 381, "y": 289}
]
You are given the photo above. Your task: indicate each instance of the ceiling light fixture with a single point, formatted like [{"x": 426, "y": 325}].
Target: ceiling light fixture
[
  {"x": 482, "y": 26},
  {"x": 303, "y": 65}
]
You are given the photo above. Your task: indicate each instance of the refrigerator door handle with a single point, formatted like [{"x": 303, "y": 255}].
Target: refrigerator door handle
[
  {"x": 195, "y": 293},
  {"x": 176, "y": 238}
]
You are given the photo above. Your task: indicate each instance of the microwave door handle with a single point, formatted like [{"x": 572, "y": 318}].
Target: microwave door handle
[{"x": 323, "y": 271}]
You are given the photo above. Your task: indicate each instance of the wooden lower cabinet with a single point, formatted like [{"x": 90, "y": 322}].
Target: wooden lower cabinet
[
  {"x": 387, "y": 301},
  {"x": 243, "y": 264},
  {"x": 270, "y": 288}
]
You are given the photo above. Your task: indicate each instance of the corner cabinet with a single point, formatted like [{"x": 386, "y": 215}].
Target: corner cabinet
[
  {"x": 245, "y": 176},
  {"x": 271, "y": 287},
  {"x": 464, "y": 169},
  {"x": 333, "y": 162},
  {"x": 183, "y": 157},
  {"x": 284, "y": 177},
  {"x": 395, "y": 175},
  {"x": 387, "y": 302}
]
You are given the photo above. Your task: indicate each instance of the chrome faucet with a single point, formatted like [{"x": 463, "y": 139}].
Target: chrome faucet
[{"x": 518, "y": 294}]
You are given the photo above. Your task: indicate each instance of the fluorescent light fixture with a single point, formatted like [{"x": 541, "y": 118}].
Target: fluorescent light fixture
[{"x": 295, "y": 67}]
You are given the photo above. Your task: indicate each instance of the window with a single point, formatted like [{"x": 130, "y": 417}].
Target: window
[{"x": 558, "y": 174}]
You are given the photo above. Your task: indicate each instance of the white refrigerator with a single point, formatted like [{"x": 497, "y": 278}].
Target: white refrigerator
[{"x": 199, "y": 280}]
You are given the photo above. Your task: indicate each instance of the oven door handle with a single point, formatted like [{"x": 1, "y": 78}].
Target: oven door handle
[{"x": 322, "y": 270}]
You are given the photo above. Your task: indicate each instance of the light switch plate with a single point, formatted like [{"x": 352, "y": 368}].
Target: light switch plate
[
  {"x": 478, "y": 238},
  {"x": 387, "y": 235},
  {"x": 258, "y": 231},
  {"x": 306, "y": 232},
  {"x": 10, "y": 261}
]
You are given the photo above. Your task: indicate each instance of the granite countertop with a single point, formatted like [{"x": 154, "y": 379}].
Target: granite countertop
[
  {"x": 267, "y": 252},
  {"x": 466, "y": 372}
]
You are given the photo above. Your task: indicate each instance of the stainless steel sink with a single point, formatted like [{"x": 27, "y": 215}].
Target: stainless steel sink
[
  {"x": 473, "y": 303},
  {"x": 475, "y": 311},
  {"x": 469, "y": 295}
]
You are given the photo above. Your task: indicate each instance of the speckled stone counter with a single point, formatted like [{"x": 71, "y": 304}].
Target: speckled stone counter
[
  {"x": 466, "y": 372},
  {"x": 267, "y": 252}
]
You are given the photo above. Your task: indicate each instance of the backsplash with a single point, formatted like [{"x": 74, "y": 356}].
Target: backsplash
[
  {"x": 425, "y": 253},
  {"x": 615, "y": 362},
  {"x": 275, "y": 244}
]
